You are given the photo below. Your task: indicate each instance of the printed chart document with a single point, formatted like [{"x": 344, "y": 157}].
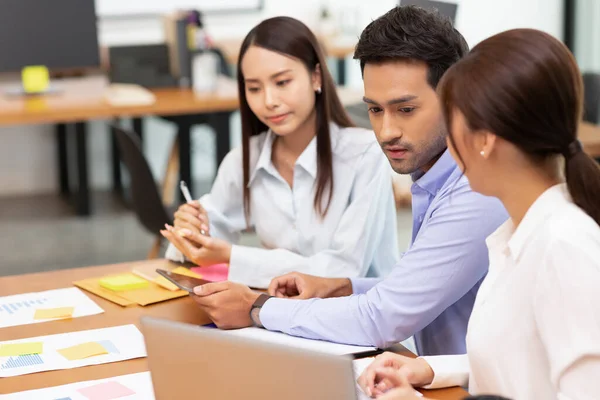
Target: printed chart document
[
  {"x": 70, "y": 350},
  {"x": 32, "y": 308},
  {"x": 133, "y": 386},
  {"x": 292, "y": 341}
]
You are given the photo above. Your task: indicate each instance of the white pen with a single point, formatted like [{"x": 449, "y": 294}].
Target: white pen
[
  {"x": 188, "y": 198},
  {"x": 185, "y": 191}
]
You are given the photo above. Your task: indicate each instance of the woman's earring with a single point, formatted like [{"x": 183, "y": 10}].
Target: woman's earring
[
  {"x": 482, "y": 153},
  {"x": 318, "y": 90}
]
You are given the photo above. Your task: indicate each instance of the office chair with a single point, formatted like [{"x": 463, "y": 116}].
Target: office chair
[
  {"x": 147, "y": 202},
  {"x": 591, "y": 98}
]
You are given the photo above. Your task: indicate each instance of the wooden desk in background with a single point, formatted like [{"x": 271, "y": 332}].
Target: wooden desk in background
[
  {"x": 183, "y": 310},
  {"x": 339, "y": 48},
  {"x": 82, "y": 100}
]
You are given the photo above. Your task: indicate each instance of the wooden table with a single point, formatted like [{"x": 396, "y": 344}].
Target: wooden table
[
  {"x": 589, "y": 135},
  {"x": 183, "y": 310},
  {"x": 82, "y": 100}
]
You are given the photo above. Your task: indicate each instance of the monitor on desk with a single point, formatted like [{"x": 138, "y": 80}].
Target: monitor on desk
[
  {"x": 447, "y": 9},
  {"x": 57, "y": 34}
]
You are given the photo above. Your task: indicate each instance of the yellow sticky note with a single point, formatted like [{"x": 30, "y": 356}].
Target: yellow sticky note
[
  {"x": 123, "y": 282},
  {"x": 49, "y": 313},
  {"x": 187, "y": 272},
  {"x": 36, "y": 79},
  {"x": 20, "y": 349},
  {"x": 83, "y": 350}
]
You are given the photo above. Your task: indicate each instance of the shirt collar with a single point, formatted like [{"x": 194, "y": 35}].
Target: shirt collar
[
  {"x": 264, "y": 159},
  {"x": 514, "y": 240},
  {"x": 433, "y": 180},
  {"x": 307, "y": 160}
]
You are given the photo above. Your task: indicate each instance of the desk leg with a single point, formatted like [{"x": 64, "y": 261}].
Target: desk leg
[
  {"x": 63, "y": 158},
  {"x": 138, "y": 128},
  {"x": 116, "y": 160},
  {"x": 83, "y": 195},
  {"x": 341, "y": 70},
  {"x": 185, "y": 159},
  {"x": 220, "y": 123}
]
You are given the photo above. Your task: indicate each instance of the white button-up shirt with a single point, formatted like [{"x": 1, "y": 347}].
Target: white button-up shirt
[
  {"x": 535, "y": 329},
  {"x": 357, "y": 237}
]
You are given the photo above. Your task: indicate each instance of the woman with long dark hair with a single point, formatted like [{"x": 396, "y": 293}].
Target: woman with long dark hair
[
  {"x": 316, "y": 190},
  {"x": 513, "y": 108}
]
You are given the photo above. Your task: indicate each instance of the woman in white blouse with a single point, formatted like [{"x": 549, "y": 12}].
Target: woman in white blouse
[
  {"x": 316, "y": 190},
  {"x": 514, "y": 105}
]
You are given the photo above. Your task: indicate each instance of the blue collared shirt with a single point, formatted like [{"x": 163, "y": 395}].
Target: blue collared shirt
[{"x": 428, "y": 294}]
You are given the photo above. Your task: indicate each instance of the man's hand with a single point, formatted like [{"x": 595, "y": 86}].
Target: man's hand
[
  {"x": 301, "y": 286},
  {"x": 227, "y": 304},
  {"x": 199, "y": 249},
  {"x": 416, "y": 371}
]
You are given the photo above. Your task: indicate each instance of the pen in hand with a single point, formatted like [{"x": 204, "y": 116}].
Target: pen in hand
[{"x": 188, "y": 198}]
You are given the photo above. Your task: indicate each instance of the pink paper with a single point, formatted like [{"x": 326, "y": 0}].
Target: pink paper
[
  {"x": 106, "y": 391},
  {"x": 213, "y": 273}
]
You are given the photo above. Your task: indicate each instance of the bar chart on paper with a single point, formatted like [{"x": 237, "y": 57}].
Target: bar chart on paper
[
  {"x": 70, "y": 350},
  {"x": 31, "y": 308},
  {"x": 22, "y": 361},
  {"x": 13, "y": 308}
]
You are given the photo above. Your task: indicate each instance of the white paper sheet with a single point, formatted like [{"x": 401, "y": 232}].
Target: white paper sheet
[
  {"x": 19, "y": 309},
  {"x": 292, "y": 341},
  {"x": 140, "y": 383},
  {"x": 123, "y": 343}
]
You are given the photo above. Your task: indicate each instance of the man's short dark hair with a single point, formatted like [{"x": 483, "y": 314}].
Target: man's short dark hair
[{"x": 412, "y": 33}]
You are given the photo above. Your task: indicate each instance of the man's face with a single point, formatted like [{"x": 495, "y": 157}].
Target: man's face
[{"x": 405, "y": 114}]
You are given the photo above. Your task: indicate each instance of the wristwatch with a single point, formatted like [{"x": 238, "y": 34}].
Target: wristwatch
[{"x": 255, "y": 309}]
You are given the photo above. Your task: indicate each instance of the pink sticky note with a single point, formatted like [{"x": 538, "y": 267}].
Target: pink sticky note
[
  {"x": 106, "y": 391},
  {"x": 213, "y": 273}
]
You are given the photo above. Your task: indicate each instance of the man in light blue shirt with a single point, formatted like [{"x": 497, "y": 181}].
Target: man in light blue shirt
[{"x": 430, "y": 292}]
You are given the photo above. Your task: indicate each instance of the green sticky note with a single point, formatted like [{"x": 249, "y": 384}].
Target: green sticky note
[{"x": 21, "y": 349}]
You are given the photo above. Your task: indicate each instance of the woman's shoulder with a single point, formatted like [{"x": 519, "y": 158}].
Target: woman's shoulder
[
  {"x": 570, "y": 236},
  {"x": 570, "y": 224},
  {"x": 353, "y": 135},
  {"x": 353, "y": 142}
]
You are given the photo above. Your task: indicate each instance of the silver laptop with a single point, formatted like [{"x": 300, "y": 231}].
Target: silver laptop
[{"x": 192, "y": 362}]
